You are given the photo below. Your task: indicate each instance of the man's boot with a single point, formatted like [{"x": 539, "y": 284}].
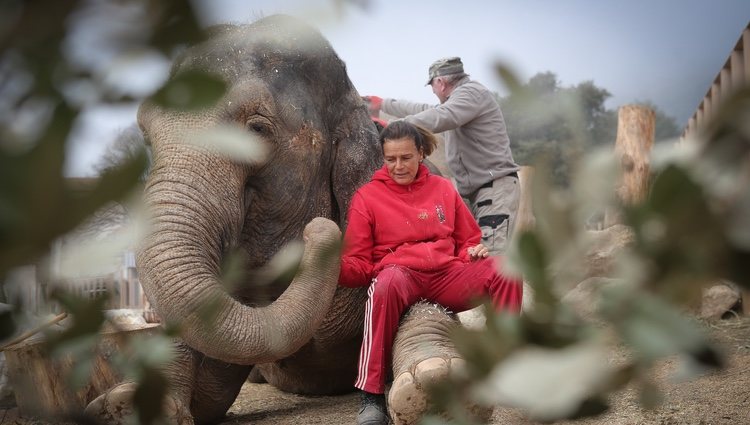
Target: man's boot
[{"x": 373, "y": 411}]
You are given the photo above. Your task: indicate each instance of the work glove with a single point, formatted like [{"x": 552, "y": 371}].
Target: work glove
[
  {"x": 379, "y": 124},
  {"x": 373, "y": 104}
]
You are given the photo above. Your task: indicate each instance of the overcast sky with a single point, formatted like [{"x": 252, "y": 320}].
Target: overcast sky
[{"x": 664, "y": 51}]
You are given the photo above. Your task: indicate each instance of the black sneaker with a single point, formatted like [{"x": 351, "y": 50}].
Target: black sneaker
[{"x": 373, "y": 411}]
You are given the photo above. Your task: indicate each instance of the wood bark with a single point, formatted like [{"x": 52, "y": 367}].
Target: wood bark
[
  {"x": 526, "y": 218},
  {"x": 42, "y": 384},
  {"x": 635, "y": 138}
]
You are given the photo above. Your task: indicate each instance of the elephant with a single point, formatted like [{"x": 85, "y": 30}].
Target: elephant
[{"x": 289, "y": 89}]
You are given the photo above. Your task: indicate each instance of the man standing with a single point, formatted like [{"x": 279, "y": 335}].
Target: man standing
[{"x": 477, "y": 148}]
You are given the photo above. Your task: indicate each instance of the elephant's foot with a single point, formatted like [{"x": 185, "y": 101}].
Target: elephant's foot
[
  {"x": 115, "y": 407},
  {"x": 424, "y": 355},
  {"x": 408, "y": 398}
]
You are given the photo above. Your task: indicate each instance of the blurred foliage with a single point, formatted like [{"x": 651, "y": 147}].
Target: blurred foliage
[
  {"x": 693, "y": 228},
  {"x": 190, "y": 90},
  {"x": 57, "y": 59},
  {"x": 690, "y": 231},
  {"x": 561, "y": 123}
]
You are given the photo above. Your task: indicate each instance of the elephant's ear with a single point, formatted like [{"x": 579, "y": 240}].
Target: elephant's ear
[{"x": 357, "y": 156}]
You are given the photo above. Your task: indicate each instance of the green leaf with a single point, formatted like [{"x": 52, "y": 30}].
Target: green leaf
[
  {"x": 39, "y": 204},
  {"x": 150, "y": 395},
  {"x": 176, "y": 24},
  {"x": 152, "y": 351},
  {"x": 534, "y": 266},
  {"x": 654, "y": 329},
  {"x": 86, "y": 316},
  {"x": 509, "y": 77},
  {"x": 482, "y": 349},
  {"x": 232, "y": 142},
  {"x": 80, "y": 353},
  {"x": 679, "y": 235},
  {"x": 649, "y": 395},
  {"x": 189, "y": 91},
  {"x": 7, "y": 324},
  {"x": 434, "y": 420},
  {"x": 549, "y": 384},
  {"x": 593, "y": 406}
]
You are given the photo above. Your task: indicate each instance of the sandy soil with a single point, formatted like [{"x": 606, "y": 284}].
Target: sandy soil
[{"x": 719, "y": 398}]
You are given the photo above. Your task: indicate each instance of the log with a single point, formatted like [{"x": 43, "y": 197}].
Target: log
[
  {"x": 33, "y": 331},
  {"x": 635, "y": 137},
  {"x": 41, "y": 384},
  {"x": 526, "y": 218}
]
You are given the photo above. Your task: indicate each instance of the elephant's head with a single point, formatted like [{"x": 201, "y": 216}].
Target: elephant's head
[{"x": 287, "y": 87}]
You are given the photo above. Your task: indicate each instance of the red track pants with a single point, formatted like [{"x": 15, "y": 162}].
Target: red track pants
[{"x": 396, "y": 288}]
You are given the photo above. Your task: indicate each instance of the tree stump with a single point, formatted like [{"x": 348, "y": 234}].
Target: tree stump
[
  {"x": 41, "y": 384},
  {"x": 635, "y": 138},
  {"x": 526, "y": 218}
]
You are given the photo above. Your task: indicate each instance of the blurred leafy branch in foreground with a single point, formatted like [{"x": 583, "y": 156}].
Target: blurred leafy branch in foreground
[
  {"x": 57, "y": 60},
  {"x": 692, "y": 230},
  {"x": 694, "y": 227}
]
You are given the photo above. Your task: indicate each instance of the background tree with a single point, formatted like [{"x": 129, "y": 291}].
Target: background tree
[
  {"x": 127, "y": 146},
  {"x": 548, "y": 120}
]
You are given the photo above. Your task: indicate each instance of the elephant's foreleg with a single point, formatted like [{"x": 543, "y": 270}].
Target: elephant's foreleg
[
  {"x": 256, "y": 376},
  {"x": 215, "y": 388},
  {"x": 423, "y": 354},
  {"x": 115, "y": 407}
]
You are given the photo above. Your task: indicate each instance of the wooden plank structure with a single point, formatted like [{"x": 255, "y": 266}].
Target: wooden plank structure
[{"x": 734, "y": 74}]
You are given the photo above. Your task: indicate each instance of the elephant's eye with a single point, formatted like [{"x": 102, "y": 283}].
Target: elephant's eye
[{"x": 259, "y": 125}]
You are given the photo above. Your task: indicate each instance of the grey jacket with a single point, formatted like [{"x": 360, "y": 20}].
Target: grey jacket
[{"x": 477, "y": 148}]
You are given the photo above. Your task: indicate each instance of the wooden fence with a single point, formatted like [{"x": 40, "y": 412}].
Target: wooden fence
[
  {"x": 734, "y": 74},
  {"x": 121, "y": 288}
]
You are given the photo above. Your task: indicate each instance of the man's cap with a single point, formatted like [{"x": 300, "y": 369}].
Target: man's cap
[{"x": 445, "y": 66}]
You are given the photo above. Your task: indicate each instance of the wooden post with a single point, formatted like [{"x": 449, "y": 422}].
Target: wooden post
[
  {"x": 716, "y": 100},
  {"x": 725, "y": 84},
  {"x": 526, "y": 218},
  {"x": 741, "y": 77},
  {"x": 635, "y": 137},
  {"x": 41, "y": 383},
  {"x": 736, "y": 63}
]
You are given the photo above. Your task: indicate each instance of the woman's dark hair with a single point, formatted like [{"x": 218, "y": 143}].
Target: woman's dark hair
[{"x": 424, "y": 140}]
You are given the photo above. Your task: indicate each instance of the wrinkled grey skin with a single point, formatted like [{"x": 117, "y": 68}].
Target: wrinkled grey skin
[{"x": 287, "y": 87}]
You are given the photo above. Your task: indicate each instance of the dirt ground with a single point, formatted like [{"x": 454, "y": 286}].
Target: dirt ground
[{"x": 719, "y": 398}]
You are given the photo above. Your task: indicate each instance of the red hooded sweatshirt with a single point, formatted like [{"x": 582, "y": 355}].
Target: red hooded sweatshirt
[{"x": 424, "y": 226}]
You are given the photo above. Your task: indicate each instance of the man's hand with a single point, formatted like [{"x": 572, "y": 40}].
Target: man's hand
[
  {"x": 373, "y": 104},
  {"x": 478, "y": 251}
]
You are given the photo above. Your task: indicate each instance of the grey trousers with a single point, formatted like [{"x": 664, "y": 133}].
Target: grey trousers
[{"x": 496, "y": 208}]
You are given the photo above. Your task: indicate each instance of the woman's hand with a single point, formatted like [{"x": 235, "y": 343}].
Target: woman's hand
[{"x": 478, "y": 251}]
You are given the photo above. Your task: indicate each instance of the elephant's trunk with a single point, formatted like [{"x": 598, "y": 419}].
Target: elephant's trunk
[{"x": 179, "y": 264}]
